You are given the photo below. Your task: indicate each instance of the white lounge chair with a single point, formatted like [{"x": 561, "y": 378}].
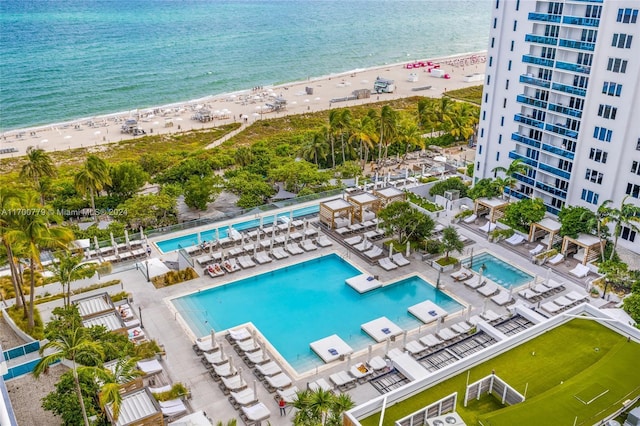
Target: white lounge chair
[
  {"x": 488, "y": 227},
  {"x": 489, "y": 289},
  {"x": 279, "y": 381},
  {"x": 230, "y": 265},
  {"x": 377, "y": 363},
  {"x": 247, "y": 345},
  {"x": 461, "y": 327},
  {"x": 323, "y": 241},
  {"x": 414, "y": 347},
  {"x": 243, "y": 398},
  {"x": 462, "y": 274},
  {"x": 307, "y": 245},
  {"x": 374, "y": 252},
  {"x": 529, "y": 294},
  {"x": 470, "y": 219},
  {"x": 536, "y": 250},
  {"x": 239, "y": 334},
  {"x": 173, "y": 407},
  {"x": 343, "y": 380},
  {"x": 360, "y": 371},
  {"x": 215, "y": 358},
  {"x": 400, "y": 260},
  {"x": 430, "y": 341},
  {"x": 290, "y": 395},
  {"x": 278, "y": 253},
  {"x": 364, "y": 245},
  {"x": 320, "y": 384},
  {"x": 447, "y": 334},
  {"x": 262, "y": 258},
  {"x": 575, "y": 296},
  {"x": 473, "y": 282},
  {"x": 515, "y": 239},
  {"x": 294, "y": 249},
  {"x": 268, "y": 369},
  {"x": 502, "y": 298},
  {"x": 246, "y": 262},
  {"x": 490, "y": 315},
  {"x": 474, "y": 320},
  {"x": 554, "y": 285},
  {"x": 215, "y": 270},
  {"x": 551, "y": 307},
  {"x": 255, "y": 414},
  {"x": 555, "y": 259},
  {"x": 563, "y": 301},
  {"x": 352, "y": 241},
  {"x": 387, "y": 264},
  {"x": 580, "y": 270}
]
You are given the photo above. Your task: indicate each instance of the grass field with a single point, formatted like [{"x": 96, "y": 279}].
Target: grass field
[{"x": 581, "y": 358}]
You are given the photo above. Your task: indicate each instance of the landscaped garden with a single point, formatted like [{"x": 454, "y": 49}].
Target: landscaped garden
[{"x": 565, "y": 372}]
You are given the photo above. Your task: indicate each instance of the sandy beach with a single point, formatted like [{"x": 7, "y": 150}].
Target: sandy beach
[{"x": 249, "y": 105}]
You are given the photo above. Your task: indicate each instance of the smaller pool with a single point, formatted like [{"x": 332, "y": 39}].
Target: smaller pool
[
  {"x": 193, "y": 239},
  {"x": 498, "y": 270}
]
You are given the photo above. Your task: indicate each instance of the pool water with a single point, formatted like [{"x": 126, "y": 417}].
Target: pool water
[
  {"x": 189, "y": 240},
  {"x": 302, "y": 303},
  {"x": 498, "y": 271}
]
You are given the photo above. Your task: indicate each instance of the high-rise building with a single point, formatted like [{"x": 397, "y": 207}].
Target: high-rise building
[{"x": 562, "y": 93}]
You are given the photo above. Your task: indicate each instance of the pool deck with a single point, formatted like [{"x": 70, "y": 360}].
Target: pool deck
[{"x": 181, "y": 363}]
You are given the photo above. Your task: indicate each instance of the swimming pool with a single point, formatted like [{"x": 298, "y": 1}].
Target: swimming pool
[
  {"x": 302, "y": 303},
  {"x": 189, "y": 240},
  {"x": 498, "y": 270}
]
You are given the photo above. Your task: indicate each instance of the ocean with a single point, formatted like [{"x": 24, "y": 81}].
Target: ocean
[{"x": 70, "y": 59}]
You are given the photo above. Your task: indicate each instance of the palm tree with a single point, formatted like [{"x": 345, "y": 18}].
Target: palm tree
[
  {"x": 32, "y": 232},
  {"x": 409, "y": 135},
  {"x": 599, "y": 222},
  {"x": 75, "y": 345},
  {"x": 627, "y": 215},
  {"x": 386, "y": 122},
  {"x": 125, "y": 371},
  {"x": 442, "y": 113},
  {"x": 339, "y": 123},
  {"x": 320, "y": 407},
  {"x": 315, "y": 148},
  {"x": 10, "y": 200},
  {"x": 92, "y": 178},
  {"x": 463, "y": 121},
  {"x": 363, "y": 132},
  {"x": 70, "y": 268},
  {"x": 516, "y": 166},
  {"x": 38, "y": 165}
]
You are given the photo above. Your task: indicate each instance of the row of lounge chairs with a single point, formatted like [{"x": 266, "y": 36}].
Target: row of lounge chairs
[
  {"x": 365, "y": 246},
  {"x": 354, "y": 228},
  {"x": 565, "y": 302},
  {"x": 541, "y": 290},
  {"x": 395, "y": 261}
]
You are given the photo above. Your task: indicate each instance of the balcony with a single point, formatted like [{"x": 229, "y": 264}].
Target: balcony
[
  {"x": 534, "y": 38},
  {"x": 529, "y": 121},
  {"x": 552, "y": 210},
  {"x": 544, "y": 17},
  {"x": 584, "y": 69},
  {"x": 561, "y": 130},
  {"x": 551, "y": 190},
  {"x": 530, "y": 79},
  {"x": 590, "y": 1},
  {"x": 585, "y": 22},
  {"x": 527, "y": 141},
  {"x": 537, "y": 61},
  {"x": 567, "y": 89},
  {"x": 514, "y": 155},
  {"x": 553, "y": 170},
  {"x": 524, "y": 99},
  {"x": 558, "y": 151},
  {"x": 524, "y": 179},
  {"x": 565, "y": 110},
  {"x": 580, "y": 45}
]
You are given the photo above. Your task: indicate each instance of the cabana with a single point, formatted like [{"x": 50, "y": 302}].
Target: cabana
[
  {"x": 588, "y": 243},
  {"x": 331, "y": 210},
  {"x": 389, "y": 195},
  {"x": 545, "y": 226},
  {"x": 112, "y": 321},
  {"x": 363, "y": 202},
  {"x": 137, "y": 408},
  {"x": 494, "y": 207},
  {"x": 92, "y": 306}
]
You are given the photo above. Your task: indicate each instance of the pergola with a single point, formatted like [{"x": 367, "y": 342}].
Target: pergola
[
  {"x": 389, "y": 195},
  {"x": 362, "y": 202},
  {"x": 96, "y": 305},
  {"x": 331, "y": 209},
  {"x": 137, "y": 408},
  {"x": 494, "y": 206},
  {"x": 589, "y": 243},
  {"x": 546, "y": 226}
]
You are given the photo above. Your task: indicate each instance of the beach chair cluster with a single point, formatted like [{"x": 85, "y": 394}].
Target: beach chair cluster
[
  {"x": 541, "y": 290},
  {"x": 119, "y": 253},
  {"x": 366, "y": 226},
  {"x": 395, "y": 261},
  {"x": 154, "y": 373},
  {"x": 365, "y": 246},
  {"x": 564, "y": 302}
]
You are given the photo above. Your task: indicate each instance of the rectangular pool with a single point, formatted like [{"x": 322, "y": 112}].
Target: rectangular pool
[
  {"x": 302, "y": 303},
  {"x": 498, "y": 271}
]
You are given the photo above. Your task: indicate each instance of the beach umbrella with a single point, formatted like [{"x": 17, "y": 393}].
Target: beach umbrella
[
  {"x": 222, "y": 354},
  {"x": 406, "y": 173},
  {"x": 480, "y": 272},
  {"x": 291, "y": 215},
  {"x": 510, "y": 293},
  {"x": 404, "y": 338},
  {"x": 214, "y": 344},
  {"x": 548, "y": 276},
  {"x": 113, "y": 240},
  {"x": 408, "y": 248},
  {"x": 468, "y": 312},
  {"x": 533, "y": 283},
  {"x": 273, "y": 228},
  {"x": 271, "y": 246},
  {"x": 388, "y": 345},
  {"x": 422, "y": 168},
  {"x": 126, "y": 237},
  {"x": 471, "y": 259},
  {"x": 369, "y": 354},
  {"x": 348, "y": 361},
  {"x": 255, "y": 389},
  {"x": 390, "y": 250},
  {"x": 141, "y": 233}
]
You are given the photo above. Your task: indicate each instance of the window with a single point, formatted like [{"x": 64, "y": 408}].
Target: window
[
  {"x": 633, "y": 190},
  {"x": 506, "y": 85},
  {"x": 589, "y": 196},
  {"x": 497, "y": 3},
  {"x": 548, "y": 52},
  {"x": 502, "y": 121},
  {"x": 484, "y": 115},
  {"x": 479, "y": 149},
  {"x": 493, "y": 41},
  {"x": 565, "y": 165},
  {"x": 555, "y": 8},
  {"x": 482, "y": 133},
  {"x": 579, "y": 81},
  {"x": 628, "y": 234},
  {"x": 638, "y": 145},
  {"x": 512, "y": 44},
  {"x": 598, "y": 155},
  {"x": 489, "y": 79},
  {"x": 551, "y": 31},
  {"x": 498, "y": 156},
  {"x": 585, "y": 59},
  {"x": 490, "y": 60},
  {"x": 593, "y": 11},
  {"x": 509, "y": 65},
  {"x": 607, "y": 111},
  {"x": 602, "y": 134},
  {"x": 504, "y": 103},
  {"x": 617, "y": 65},
  {"x": 545, "y": 74},
  {"x": 495, "y": 22},
  {"x": 593, "y": 176},
  {"x": 611, "y": 88},
  {"x": 515, "y": 25},
  {"x": 478, "y": 166},
  {"x": 589, "y": 36},
  {"x": 486, "y": 98},
  {"x": 518, "y": 5},
  {"x": 622, "y": 41},
  {"x": 499, "y": 139},
  {"x": 627, "y": 16},
  {"x": 635, "y": 168}
]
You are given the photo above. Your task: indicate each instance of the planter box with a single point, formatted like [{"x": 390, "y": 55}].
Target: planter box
[{"x": 447, "y": 268}]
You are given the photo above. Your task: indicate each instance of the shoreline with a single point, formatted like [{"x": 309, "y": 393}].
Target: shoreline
[{"x": 245, "y": 103}]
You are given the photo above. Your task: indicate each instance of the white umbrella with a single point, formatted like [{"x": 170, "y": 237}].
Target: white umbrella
[
  {"x": 255, "y": 389},
  {"x": 217, "y": 234},
  {"x": 261, "y": 221},
  {"x": 222, "y": 354},
  {"x": 271, "y": 246},
  {"x": 484, "y": 305},
  {"x": 533, "y": 283},
  {"x": 255, "y": 249},
  {"x": 357, "y": 180},
  {"x": 213, "y": 338},
  {"x": 348, "y": 361},
  {"x": 408, "y": 248},
  {"x": 141, "y": 233},
  {"x": 390, "y": 250},
  {"x": 386, "y": 350},
  {"x": 199, "y": 238},
  {"x": 113, "y": 244},
  {"x": 291, "y": 215},
  {"x": 548, "y": 276},
  {"x": 404, "y": 338},
  {"x": 231, "y": 367},
  {"x": 369, "y": 354},
  {"x": 273, "y": 228},
  {"x": 95, "y": 242},
  {"x": 126, "y": 237}
]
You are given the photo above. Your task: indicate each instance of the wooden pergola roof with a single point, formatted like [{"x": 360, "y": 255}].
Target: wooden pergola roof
[
  {"x": 495, "y": 206},
  {"x": 546, "y": 225},
  {"x": 362, "y": 202},
  {"x": 330, "y": 209},
  {"x": 389, "y": 195},
  {"x": 590, "y": 244}
]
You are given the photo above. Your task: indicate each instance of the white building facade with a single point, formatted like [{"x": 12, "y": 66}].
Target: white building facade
[{"x": 562, "y": 93}]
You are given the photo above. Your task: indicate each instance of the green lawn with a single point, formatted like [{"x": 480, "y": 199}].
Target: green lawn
[{"x": 557, "y": 366}]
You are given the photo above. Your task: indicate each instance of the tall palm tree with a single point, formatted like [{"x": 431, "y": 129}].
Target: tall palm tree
[
  {"x": 9, "y": 202},
  {"x": 125, "y": 371},
  {"x": 339, "y": 122},
  {"x": 627, "y": 215},
  {"x": 92, "y": 178},
  {"x": 442, "y": 113},
  {"x": 463, "y": 121},
  {"x": 69, "y": 268},
  {"x": 32, "y": 232},
  {"x": 75, "y": 345},
  {"x": 315, "y": 148},
  {"x": 387, "y": 122},
  {"x": 517, "y": 166},
  {"x": 39, "y": 164},
  {"x": 599, "y": 222},
  {"x": 364, "y": 133},
  {"x": 409, "y": 134}
]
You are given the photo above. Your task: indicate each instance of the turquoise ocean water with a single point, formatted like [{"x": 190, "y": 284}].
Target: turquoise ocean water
[{"x": 68, "y": 59}]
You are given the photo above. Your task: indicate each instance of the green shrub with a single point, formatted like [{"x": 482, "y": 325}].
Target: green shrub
[
  {"x": 22, "y": 322},
  {"x": 177, "y": 390}
]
